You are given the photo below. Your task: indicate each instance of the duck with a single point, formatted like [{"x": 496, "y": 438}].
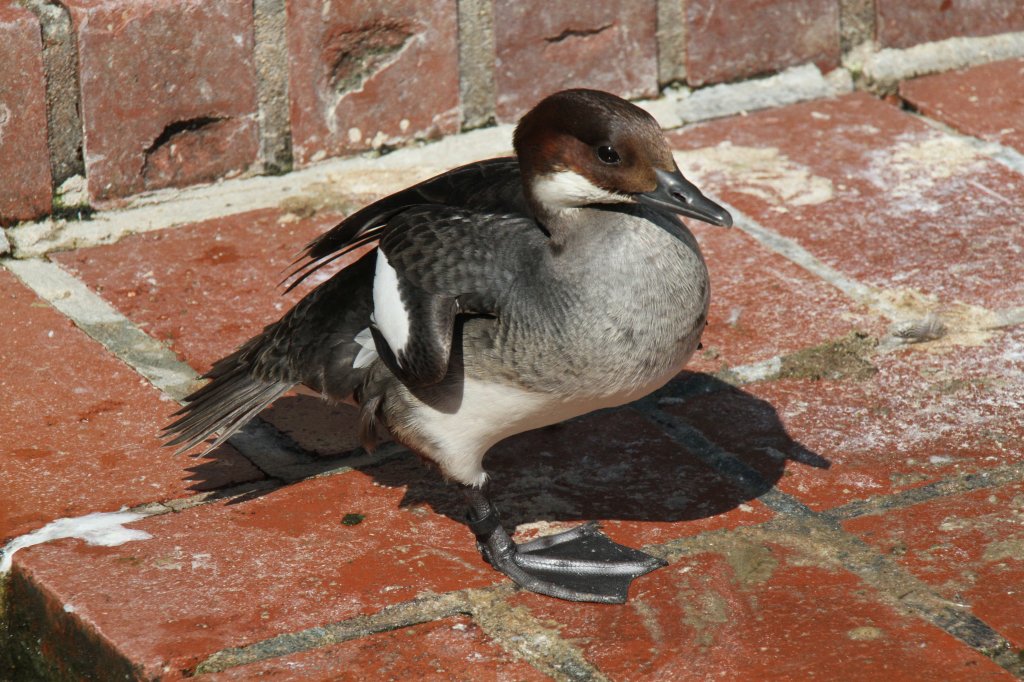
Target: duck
[{"x": 499, "y": 297}]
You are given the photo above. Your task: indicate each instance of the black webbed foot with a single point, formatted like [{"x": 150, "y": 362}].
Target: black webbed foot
[{"x": 581, "y": 564}]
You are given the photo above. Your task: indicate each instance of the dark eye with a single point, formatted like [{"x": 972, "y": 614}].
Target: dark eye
[{"x": 607, "y": 154}]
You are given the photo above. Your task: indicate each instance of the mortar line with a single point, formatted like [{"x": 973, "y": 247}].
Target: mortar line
[
  {"x": 63, "y": 94},
  {"x": 860, "y": 558},
  {"x": 269, "y": 450},
  {"x": 1000, "y": 153},
  {"x": 515, "y": 629},
  {"x": 960, "y": 623},
  {"x": 936, "y": 490}
]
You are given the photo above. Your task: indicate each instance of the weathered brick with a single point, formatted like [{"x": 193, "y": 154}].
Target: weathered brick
[
  {"x": 367, "y": 73},
  {"x": 885, "y": 422},
  {"x": 168, "y": 92},
  {"x": 227, "y": 575},
  {"x": 902, "y": 23},
  {"x": 24, "y": 159},
  {"x": 543, "y": 47},
  {"x": 447, "y": 649},
  {"x": 752, "y": 609},
  {"x": 617, "y": 468},
  {"x": 207, "y": 288},
  {"x": 969, "y": 548},
  {"x": 732, "y": 39},
  {"x": 81, "y": 436},
  {"x": 875, "y": 193},
  {"x": 986, "y": 101}
]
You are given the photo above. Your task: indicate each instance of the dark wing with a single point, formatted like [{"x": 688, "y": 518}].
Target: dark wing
[
  {"x": 493, "y": 185},
  {"x": 433, "y": 264},
  {"x": 312, "y": 344}
]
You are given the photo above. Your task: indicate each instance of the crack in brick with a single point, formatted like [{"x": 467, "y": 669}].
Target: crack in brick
[
  {"x": 173, "y": 133},
  {"x": 578, "y": 33},
  {"x": 353, "y": 56}
]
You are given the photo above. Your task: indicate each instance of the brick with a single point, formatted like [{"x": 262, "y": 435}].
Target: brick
[
  {"x": 168, "y": 92},
  {"x": 227, "y": 575},
  {"x": 207, "y": 288},
  {"x": 874, "y": 193},
  {"x": 986, "y": 101},
  {"x": 447, "y": 649},
  {"x": 968, "y": 547},
  {"x": 365, "y": 74},
  {"x": 756, "y": 295},
  {"x": 616, "y": 468},
  {"x": 81, "y": 437},
  {"x": 912, "y": 417},
  {"x": 24, "y": 156},
  {"x": 544, "y": 47},
  {"x": 757, "y": 610},
  {"x": 732, "y": 39},
  {"x": 902, "y": 23}
]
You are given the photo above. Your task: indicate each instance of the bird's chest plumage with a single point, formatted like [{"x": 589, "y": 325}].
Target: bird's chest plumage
[{"x": 613, "y": 318}]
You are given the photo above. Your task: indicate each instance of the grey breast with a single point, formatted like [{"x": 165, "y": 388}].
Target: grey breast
[{"x": 624, "y": 299}]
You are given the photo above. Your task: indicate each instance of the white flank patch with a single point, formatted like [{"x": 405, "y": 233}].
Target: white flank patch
[
  {"x": 388, "y": 309},
  {"x": 368, "y": 351},
  {"x": 100, "y": 528},
  {"x": 490, "y": 412},
  {"x": 566, "y": 189}
]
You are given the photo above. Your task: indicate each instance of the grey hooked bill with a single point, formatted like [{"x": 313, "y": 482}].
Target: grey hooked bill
[{"x": 678, "y": 195}]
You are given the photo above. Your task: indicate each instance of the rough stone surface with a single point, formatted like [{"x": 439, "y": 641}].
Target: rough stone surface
[
  {"x": 756, "y": 295},
  {"x": 63, "y": 115},
  {"x": 986, "y": 101},
  {"x": 270, "y": 52},
  {"x": 23, "y": 152},
  {"x": 476, "y": 62},
  {"x": 671, "y": 41},
  {"x": 81, "y": 436},
  {"x": 971, "y": 550},
  {"x": 367, "y": 74},
  {"x": 728, "y": 40},
  {"x": 447, "y": 649},
  {"x": 756, "y": 610},
  {"x": 902, "y": 23},
  {"x": 544, "y": 47},
  {"x": 222, "y": 576},
  {"x": 168, "y": 92},
  {"x": 856, "y": 23}
]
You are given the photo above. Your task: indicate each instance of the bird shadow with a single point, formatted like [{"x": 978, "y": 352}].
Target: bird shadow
[{"x": 618, "y": 464}]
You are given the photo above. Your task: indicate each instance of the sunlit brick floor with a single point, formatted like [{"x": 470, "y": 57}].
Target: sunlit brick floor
[{"x": 835, "y": 501}]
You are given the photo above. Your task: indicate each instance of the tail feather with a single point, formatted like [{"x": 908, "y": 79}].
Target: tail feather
[{"x": 223, "y": 407}]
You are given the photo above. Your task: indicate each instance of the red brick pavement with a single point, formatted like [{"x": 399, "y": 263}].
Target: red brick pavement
[{"x": 907, "y": 455}]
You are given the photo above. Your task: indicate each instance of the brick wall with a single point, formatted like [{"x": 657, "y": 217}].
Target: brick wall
[{"x": 137, "y": 95}]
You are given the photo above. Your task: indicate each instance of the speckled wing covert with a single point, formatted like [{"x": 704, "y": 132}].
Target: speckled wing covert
[
  {"x": 444, "y": 262},
  {"x": 315, "y": 342}
]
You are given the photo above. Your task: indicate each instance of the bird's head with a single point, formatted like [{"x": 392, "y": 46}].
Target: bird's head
[{"x": 583, "y": 147}]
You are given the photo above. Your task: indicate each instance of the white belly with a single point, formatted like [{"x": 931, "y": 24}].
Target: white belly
[{"x": 490, "y": 412}]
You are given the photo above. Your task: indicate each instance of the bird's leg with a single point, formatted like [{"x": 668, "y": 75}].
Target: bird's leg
[{"x": 581, "y": 564}]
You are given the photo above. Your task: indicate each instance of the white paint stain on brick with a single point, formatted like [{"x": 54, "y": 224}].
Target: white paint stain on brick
[
  {"x": 106, "y": 529},
  {"x": 762, "y": 172}
]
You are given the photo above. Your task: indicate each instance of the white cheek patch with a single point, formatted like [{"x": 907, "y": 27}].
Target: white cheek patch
[
  {"x": 566, "y": 189},
  {"x": 388, "y": 309},
  {"x": 367, "y": 350}
]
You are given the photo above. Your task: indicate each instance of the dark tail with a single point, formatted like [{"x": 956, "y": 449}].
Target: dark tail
[{"x": 223, "y": 406}]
